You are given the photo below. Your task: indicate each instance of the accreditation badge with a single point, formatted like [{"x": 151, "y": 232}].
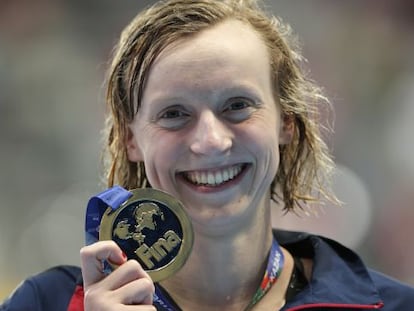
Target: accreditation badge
[{"x": 153, "y": 228}]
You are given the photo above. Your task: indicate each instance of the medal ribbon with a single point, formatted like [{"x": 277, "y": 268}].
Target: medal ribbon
[
  {"x": 273, "y": 270},
  {"x": 97, "y": 205}
]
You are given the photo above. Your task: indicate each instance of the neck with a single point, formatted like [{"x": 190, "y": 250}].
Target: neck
[{"x": 224, "y": 272}]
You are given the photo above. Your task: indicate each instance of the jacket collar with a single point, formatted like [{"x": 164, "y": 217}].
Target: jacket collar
[{"x": 339, "y": 277}]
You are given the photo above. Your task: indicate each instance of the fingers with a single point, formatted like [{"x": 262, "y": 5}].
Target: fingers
[
  {"x": 127, "y": 286},
  {"x": 139, "y": 291},
  {"x": 92, "y": 257},
  {"x": 124, "y": 274}
]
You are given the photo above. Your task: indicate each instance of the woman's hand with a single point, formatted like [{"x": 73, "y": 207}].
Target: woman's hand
[{"x": 128, "y": 287}]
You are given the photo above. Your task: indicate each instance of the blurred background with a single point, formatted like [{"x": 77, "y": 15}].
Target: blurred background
[{"x": 53, "y": 55}]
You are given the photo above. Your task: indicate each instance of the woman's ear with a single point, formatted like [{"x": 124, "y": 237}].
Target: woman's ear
[
  {"x": 133, "y": 150},
  {"x": 287, "y": 128}
]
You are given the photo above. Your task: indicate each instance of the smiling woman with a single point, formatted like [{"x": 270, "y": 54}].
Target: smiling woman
[
  {"x": 206, "y": 133},
  {"x": 208, "y": 103}
]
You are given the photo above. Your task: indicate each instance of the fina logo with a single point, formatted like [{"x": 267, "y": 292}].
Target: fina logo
[
  {"x": 145, "y": 215},
  {"x": 159, "y": 250}
]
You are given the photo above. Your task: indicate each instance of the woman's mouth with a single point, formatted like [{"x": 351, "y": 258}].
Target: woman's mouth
[{"x": 214, "y": 177}]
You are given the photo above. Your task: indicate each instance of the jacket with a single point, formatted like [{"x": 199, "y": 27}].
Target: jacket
[{"x": 340, "y": 281}]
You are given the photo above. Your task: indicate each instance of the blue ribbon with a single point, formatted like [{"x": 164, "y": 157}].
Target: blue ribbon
[{"x": 97, "y": 205}]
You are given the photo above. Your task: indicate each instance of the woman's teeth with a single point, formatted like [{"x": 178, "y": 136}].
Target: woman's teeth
[{"x": 214, "y": 178}]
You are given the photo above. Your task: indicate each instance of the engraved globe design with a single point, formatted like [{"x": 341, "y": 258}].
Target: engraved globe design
[
  {"x": 148, "y": 232},
  {"x": 153, "y": 228}
]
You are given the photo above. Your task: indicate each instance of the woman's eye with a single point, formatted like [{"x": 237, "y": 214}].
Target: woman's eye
[
  {"x": 238, "y": 105},
  {"x": 171, "y": 114},
  {"x": 238, "y": 109},
  {"x": 173, "y": 118}
]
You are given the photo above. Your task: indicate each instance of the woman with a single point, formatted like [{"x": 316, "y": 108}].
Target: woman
[{"x": 208, "y": 102}]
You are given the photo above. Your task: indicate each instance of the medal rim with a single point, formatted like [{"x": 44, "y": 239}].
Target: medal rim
[{"x": 150, "y": 194}]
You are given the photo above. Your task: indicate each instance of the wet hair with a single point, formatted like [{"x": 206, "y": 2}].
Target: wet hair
[{"x": 305, "y": 163}]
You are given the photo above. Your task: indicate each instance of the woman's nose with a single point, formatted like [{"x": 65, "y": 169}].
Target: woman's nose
[{"x": 211, "y": 135}]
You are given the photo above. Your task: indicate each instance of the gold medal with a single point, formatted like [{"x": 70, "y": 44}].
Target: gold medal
[{"x": 153, "y": 228}]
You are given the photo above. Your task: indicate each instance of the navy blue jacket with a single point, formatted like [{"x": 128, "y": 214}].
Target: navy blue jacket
[{"x": 340, "y": 281}]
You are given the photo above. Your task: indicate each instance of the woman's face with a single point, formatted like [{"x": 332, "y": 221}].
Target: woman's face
[{"x": 209, "y": 127}]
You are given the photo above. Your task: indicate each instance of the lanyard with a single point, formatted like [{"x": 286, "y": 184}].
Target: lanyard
[
  {"x": 97, "y": 205},
  {"x": 272, "y": 273}
]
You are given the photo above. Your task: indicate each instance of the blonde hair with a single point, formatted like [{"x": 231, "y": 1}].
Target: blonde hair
[{"x": 305, "y": 164}]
